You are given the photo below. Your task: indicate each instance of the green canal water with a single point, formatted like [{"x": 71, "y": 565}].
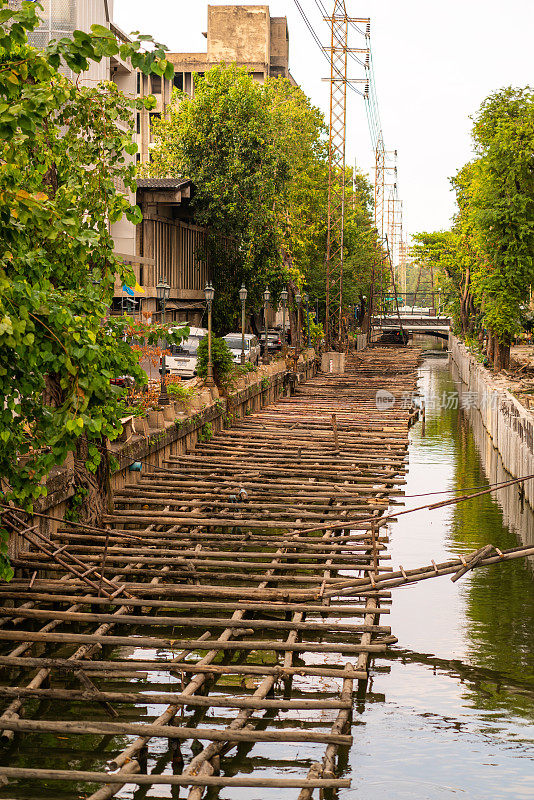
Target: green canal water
[{"x": 450, "y": 710}]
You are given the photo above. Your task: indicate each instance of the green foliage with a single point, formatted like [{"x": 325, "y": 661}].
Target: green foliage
[
  {"x": 221, "y": 358},
  {"x": 257, "y": 154},
  {"x": 503, "y": 200},
  {"x": 488, "y": 257},
  {"x": 113, "y": 464},
  {"x": 206, "y": 434},
  {"x": 75, "y": 504},
  {"x": 177, "y": 391},
  {"x": 316, "y": 332},
  {"x": 63, "y": 150},
  {"x": 244, "y": 369}
]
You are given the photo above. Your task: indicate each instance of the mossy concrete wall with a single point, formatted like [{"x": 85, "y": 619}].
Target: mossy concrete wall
[
  {"x": 176, "y": 434},
  {"x": 509, "y": 424}
]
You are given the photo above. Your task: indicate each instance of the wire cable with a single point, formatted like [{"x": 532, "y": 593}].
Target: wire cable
[{"x": 323, "y": 49}]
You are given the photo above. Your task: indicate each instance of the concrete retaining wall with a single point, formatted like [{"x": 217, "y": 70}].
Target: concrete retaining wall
[
  {"x": 179, "y": 434},
  {"x": 509, "y": 424}
]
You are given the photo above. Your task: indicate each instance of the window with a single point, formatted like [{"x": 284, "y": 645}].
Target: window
[
  {"x": 179, "y": 80},
  {"x": 156, "y": 84},
  {"x": 138, "y": 83},
  {"x": 138, "y": 123}
]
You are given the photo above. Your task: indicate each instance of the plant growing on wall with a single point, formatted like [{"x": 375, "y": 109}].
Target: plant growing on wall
[
  {"x": 63, "y": 150},
  {"x": 221, "y": 357}
]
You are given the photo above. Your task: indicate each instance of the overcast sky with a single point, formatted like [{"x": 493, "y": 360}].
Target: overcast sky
[{"x": 434, "y": 64}]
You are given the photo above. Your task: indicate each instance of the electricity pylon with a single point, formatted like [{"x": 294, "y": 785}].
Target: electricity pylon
[{"x": 339, "y": 50}]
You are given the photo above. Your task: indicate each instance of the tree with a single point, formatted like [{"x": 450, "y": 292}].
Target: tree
[
  {"x": 492, "y": 239},
  {"x": 504, "y": 206},
  {"x": 257, "y": 156},
  {"x": 63, "y": 148},
  {"x": 222, "y": 139}
]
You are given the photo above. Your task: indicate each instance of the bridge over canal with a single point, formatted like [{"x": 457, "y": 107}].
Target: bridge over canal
[{"x": 413, "y": 323}]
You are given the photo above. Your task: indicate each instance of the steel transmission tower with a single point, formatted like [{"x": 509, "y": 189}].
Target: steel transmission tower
[
  {"x": 339, "y": 51},
  {"x": 339, "y": 26}
]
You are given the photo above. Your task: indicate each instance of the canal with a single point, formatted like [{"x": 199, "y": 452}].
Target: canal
[
  {"x": 450, "y": 713},
  {"x": 450, "y": 709}
]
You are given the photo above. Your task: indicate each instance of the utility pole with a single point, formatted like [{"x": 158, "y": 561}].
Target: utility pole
[{"x": 339, "y": 50}]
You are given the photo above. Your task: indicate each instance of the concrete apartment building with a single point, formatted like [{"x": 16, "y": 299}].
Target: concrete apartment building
[
  {"x": 59, "y": 19},
  {"x": 245, "y": 35}
]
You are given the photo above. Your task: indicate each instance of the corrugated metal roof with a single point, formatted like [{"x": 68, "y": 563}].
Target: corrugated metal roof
[{"x": 162, "y": 183}]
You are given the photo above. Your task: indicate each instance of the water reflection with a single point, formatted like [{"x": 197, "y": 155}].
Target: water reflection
[{"x": 457, "y": 720}]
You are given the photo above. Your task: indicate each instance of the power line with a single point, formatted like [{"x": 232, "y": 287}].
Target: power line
[{"x": 322, "y": 48}]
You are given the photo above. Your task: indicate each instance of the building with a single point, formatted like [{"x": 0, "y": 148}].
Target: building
[
  {"x": 245, "y": 35},
  {"x": 168, "y": 244},
  {"x": 59, "y": 19},
  {"x": 171, "y": 245}
]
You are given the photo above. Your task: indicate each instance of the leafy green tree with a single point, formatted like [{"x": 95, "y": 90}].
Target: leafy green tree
[
  {"x": 492, "y": 239},
  {"x": 504, "y": 207},
  {"x": 257, "y": 155},
  {"x": 63, "y": 149},
  {"x": 223, "y": 139}
]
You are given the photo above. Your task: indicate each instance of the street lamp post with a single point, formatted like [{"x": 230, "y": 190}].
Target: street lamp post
[
  {"x": 266, "y": 298},
  {"x": 243, "y": 297},
  {"x": 307, "y": 301},
  {"x": 298, "y": 300},
  {"x": 163, "y": 291},
  {"x": 283, "y": 297},
  {"x": 209, "y": 293}
]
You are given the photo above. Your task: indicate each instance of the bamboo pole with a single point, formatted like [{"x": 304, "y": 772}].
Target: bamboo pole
[{"x": 23, "y": 773}]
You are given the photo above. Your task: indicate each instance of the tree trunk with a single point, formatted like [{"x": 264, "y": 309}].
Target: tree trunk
[
  {"x": 501, "y": 358},
  {"x": 96, "y": 486},
  {"x": 293, "y": 313},
  {"x": 490, "y": 347}
]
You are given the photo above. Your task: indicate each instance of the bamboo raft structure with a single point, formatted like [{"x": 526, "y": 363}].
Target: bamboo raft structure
[{"x": 206, "y": 615}]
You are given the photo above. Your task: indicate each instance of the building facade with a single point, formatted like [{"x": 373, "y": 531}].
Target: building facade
[
  {"x": 244, "y": 35},
  {"x": 168, "y": 244}
]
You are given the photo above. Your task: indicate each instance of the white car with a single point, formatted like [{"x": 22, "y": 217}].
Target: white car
[
  {"x": 252, "y": 347},
  {"x": 183, "y": 358}
]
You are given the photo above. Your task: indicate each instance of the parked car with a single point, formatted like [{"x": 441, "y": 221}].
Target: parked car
[
  {"x": 183, "y": 358},
  {"x": 124, "y": 381},
  {"x": 274, "y": 341},
  {"x": 252, "y": 347}
]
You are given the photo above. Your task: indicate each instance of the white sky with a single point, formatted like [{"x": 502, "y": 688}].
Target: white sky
[{"x": 434, "y": 64}]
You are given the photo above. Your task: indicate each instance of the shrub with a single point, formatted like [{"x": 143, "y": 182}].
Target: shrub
[
  {"x": 221, "y": 358},
  {"x": 177, "y": 391},
  {"x": 206, "y": 433}
]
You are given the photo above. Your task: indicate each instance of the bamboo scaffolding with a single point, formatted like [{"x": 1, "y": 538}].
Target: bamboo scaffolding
[
  {"x": 177, "y": 542},
  {"x": 344, "y": 610}
]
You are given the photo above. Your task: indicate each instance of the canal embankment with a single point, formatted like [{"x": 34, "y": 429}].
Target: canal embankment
[{"x": 508, "y": 422}]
